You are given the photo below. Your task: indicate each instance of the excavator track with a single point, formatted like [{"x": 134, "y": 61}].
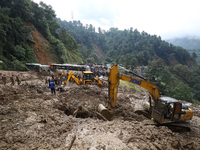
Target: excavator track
[
  {"x": 174, "y": 127},
  {"x": 178, "y": 127}
]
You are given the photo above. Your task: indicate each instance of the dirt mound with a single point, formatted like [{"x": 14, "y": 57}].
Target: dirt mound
[{"x": 32, "y": 118}]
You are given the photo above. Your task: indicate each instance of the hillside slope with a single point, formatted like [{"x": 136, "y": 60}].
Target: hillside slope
[
  {"x": 40, "y": 48},
  {"x": 128, "y": 47},
  {"x": 29, "y": 33}
]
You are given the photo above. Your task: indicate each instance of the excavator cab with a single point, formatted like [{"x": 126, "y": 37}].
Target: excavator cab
[
  {"x": 88, "y": 77},
  {"x": 167, "y": 109}
]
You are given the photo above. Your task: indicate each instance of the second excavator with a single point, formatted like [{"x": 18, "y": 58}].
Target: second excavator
[
  {"x": 87, "y": 79},
  {"x": 162, "y": 109}
]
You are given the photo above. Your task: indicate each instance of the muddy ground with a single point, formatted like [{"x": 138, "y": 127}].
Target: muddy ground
[{"x": 32, "y": 118}]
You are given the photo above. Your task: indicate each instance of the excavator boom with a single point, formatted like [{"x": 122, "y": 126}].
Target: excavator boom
[
  {"x": 73, "y": 77},
  {"x": 114, "y": 77},
  {"x": 98, "y": 81}
]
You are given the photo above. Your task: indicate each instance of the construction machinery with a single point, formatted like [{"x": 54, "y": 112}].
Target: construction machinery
[
  {"x": 87, "y": 79},
  {"x": 163, "y": 110}
]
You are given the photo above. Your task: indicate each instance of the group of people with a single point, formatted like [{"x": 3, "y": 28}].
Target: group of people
[
  {"x": 4, "y": 78},
  {"x": 99, "y": 70},
  {"x": 56, "y": 80}
]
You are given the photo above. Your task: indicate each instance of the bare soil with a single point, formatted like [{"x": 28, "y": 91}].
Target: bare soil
[
  {"x": 40, "y": 47},
  {"x": 32, "y": 118}
]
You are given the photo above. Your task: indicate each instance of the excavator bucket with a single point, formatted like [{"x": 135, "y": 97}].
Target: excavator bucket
[{"x": 104, "y": 113}]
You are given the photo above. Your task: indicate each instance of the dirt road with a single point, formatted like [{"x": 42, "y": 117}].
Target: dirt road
[{"x": 32, "y": 118}]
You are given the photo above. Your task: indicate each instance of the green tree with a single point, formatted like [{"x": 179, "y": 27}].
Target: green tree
[
  {"x": 19, "y": 52},
  {"x": 194, "y": 55},
  {"x": 90, "y": 60},
  {"x": 182, "y": 92}
]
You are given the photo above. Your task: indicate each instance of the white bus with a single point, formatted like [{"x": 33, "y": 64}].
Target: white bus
[
  {"x": 37, "y": 67},
  {"x": 66, "y": 68}
]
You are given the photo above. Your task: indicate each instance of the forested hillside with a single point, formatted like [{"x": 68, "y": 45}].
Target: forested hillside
[
  {"x": 28, "y": 31},
  {"x": 127, "y": 47}
]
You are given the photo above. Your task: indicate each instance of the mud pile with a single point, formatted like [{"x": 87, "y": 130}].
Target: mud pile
[{"x": 32, "y": 118}]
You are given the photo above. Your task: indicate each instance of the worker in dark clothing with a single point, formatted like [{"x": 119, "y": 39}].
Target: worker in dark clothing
[
  {"x": 56, "y": 80},
  {"x": 52, "y": 76},
  {"x": 52, "y": 85},
  {"x": 4, "y": 79},
  {"x": 65, "y": 79},
  {"x": 103, "y": 73},
  {"x": 61, "y": 79},
  {"x": 18, "y": 79},
  {"x": 60, "y": 89},
  {"x": 12, "y": 79},
  {"x": 98, "y": 73}
]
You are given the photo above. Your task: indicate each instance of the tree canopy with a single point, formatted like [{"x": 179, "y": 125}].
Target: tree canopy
[{"x": 18, "y": 18}]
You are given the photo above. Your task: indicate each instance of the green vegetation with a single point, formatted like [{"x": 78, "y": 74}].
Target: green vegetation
[
  {"x": 129, "y": 47},
  {"x": 179, "y": 81},
  {"x": 192, "y": 44},
  {"x": 196, "y": 55},
  {"x": 17, "y": 19}
]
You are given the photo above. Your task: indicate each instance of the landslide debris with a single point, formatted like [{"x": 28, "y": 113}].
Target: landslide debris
[{"x": 32, "y": 118}]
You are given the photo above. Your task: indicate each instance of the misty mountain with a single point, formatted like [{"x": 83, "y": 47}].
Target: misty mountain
[{"x": 188, "y": 42}]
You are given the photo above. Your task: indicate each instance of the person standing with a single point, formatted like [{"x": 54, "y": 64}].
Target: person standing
[
  {"x": 65, "y": 79},
  {"x": 18, "y": 79},
  {"x": 61, "y": 79},
  {"x": 12, "y": 79},
  {"x": 52, "y": 85},
  {"x": 4, "y": 79},
  {"x": 49, "y": 82},
  {"x": 52, "y": 76},
  {"x": 56, "y": 80}
]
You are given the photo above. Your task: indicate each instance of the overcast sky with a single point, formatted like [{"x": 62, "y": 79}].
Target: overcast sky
[{"x": 165, "y": 18}]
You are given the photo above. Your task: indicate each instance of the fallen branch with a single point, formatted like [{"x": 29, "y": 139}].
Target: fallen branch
[
  {"x": 72, "y": 142},
  {"x": 76, "y": 111}
]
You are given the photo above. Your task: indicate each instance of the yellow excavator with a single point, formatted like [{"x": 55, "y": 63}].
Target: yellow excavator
[
  {"x": 88, "y": 79},
  {"x": 162, "y": 109}
]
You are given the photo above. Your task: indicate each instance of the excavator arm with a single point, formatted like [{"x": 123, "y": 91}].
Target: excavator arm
[
  {"x": 73, "y": 77},
  {"x": 57, "y": 72},
  {"x": 113, "y": 82},
  {"x": 99, "y": 81}
]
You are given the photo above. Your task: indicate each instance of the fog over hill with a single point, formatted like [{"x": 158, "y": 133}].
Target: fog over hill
[{"x": 187, "y": 42}]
